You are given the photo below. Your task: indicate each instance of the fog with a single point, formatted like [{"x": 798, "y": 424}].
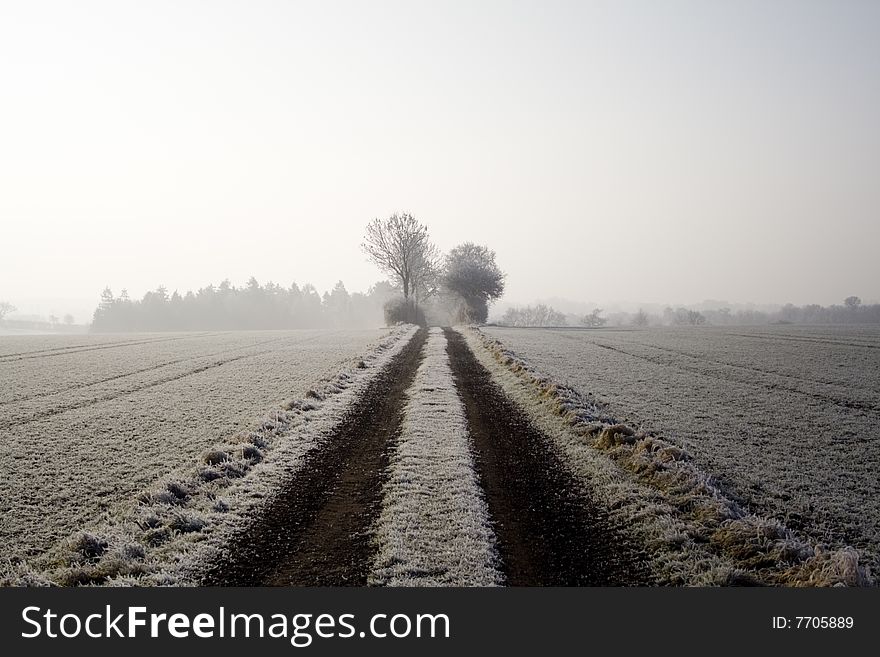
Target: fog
[{"x": 616, "y": 153}]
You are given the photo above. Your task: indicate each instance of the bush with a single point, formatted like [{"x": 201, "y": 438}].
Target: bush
[
  {"x": 473, "y": 311},
  {"x": 404, "y": 311}
]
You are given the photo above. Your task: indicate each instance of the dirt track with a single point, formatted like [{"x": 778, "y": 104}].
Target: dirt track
[
  {"x": 318, "y": 530},
  {"x": 549, "y": 532}
]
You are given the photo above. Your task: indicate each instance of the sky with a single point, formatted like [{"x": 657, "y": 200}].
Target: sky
[{"x": 607, "y": 151}]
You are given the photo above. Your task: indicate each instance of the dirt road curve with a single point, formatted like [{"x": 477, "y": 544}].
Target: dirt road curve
[{"x": 319, "y": 530}]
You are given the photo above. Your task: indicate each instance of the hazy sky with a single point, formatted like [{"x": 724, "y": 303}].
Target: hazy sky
[{"x": 643, "y": 151}]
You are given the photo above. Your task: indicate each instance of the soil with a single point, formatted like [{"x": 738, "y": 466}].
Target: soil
[
  {"x": 549, "y": 531},
  {"x": 317, "y": 531}
]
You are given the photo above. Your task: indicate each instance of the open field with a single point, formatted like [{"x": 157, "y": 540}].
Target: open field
[
  {"x": 87, "y": 422},
  {"x": 786, "y": 419},
  {"x": 437, "y": 457}
]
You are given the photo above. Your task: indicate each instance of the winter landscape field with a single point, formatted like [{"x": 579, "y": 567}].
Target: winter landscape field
[
  {"x": 435, "y": 457},
  {"x": 548, "y": 294},
  {"x": 90, "y": 421},
  {"x": 783, "y": 418}
]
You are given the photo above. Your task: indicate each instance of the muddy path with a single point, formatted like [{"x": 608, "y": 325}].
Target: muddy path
[
  {"x": 549, "y": 532},
  {"x": 317, "y": 530}
]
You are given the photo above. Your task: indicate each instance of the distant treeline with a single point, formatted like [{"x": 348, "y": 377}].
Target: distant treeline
[
  {"x": 43, "y": 325},
  {"x": 254, "y": 306},
  {"x": 539, "y": 315},
  {"x": 851, "y": 312}
]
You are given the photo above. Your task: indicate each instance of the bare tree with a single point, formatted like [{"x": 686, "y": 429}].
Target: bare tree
[
  {"x": 594, "y": 319},
  {"x": 426, "y": 278},
  {"x": 5, "y": 309},
  {"x": 640, "y": 319},
  {"x": 539, "y": 315},
  {"x": 683, "y": 317},
  {"x": 401, "y": 248}
]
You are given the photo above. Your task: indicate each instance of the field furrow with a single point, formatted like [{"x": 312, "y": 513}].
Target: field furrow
[
  {"x": 704, "y": 368},
  {"x": 862, "y": 344},
  {"x": 82, "y": 348},
  {"x": 37, "y": 406}
]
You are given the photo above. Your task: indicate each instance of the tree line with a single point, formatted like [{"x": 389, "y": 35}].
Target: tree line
[
  {"x": 252, "y": 306},
  {"x": 852, "y": 311},
  {"x": 425, "y": 286}
]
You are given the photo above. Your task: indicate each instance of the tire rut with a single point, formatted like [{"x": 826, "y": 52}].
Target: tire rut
[
  {"x": 549, "y": 532},
  {"x": 317, "y": 531}
]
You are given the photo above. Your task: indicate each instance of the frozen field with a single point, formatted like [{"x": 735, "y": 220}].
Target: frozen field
[
  {"x": 89, "y": 421},
  {"x": 787, "y": 418}
]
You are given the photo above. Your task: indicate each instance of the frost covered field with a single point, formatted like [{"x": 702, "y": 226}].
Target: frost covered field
[
  {"x": 87, "y": 422},
  {"x": 786, "y": 418}
]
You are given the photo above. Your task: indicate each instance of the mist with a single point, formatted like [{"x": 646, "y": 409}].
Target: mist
[{"x": 625, "y": 153}]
